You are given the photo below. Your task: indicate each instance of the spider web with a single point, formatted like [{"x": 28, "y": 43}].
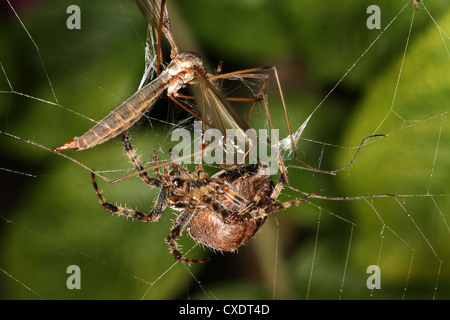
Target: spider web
[{"x": 54, "y": 81}]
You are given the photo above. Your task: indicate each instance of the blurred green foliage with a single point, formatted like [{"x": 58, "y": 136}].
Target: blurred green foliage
[{"x": 321, "y": 249}]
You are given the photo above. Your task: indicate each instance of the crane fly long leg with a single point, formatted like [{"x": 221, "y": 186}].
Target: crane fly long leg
[
  {"x": 240, "y": 99},
  {"x": 245, "y": 73},
  {"x": 254, "y": 104},
  {"x": 172, "y": 97},
  {"x": 159, "y": 58}
]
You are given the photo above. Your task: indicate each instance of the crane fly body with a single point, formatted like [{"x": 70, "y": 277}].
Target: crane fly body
[
  {"x": 180, "y": 71},
  {"x": 185, "y": 68}
]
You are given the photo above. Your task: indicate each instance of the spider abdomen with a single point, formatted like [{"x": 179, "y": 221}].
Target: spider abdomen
[
  {"x": 243, "y": 190},
  {"x": 209, "y": 229}
]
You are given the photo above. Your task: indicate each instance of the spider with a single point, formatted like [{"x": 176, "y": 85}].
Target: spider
[{"x": 221, "y": 212}]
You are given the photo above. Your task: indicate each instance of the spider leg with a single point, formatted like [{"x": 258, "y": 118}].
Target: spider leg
[
  {"x": 284, "y": 205},
  {"x": 160, "y": 205},
  {"x": 223, "y": 212},
  {"x": 274, "y": 207},
  {"x": 201, "y": 174},
  {"x": 180, "y": 224},
  {"x": 137, "y": 163},
  {"x": 155, "y": 163},
  {"x": 256, "y": 212},
  {"x": 121, "y": 211}
]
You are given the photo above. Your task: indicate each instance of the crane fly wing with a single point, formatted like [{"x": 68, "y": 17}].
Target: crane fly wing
[
  {"x": 217, "y": 113},
  {"x": 151, "y": 10}
]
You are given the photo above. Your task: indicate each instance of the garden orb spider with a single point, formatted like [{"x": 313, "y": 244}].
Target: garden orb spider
[{"x": 221, "y": 212}]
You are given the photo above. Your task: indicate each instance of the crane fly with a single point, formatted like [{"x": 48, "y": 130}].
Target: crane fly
[
  {"x": 184, "y": 68},
  {"x": 178, "y": 72}
]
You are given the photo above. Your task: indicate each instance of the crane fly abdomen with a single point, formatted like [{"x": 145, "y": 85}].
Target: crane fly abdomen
[
  {"x": 179, "y": 71},
  {"x": 119, "y": 119}
]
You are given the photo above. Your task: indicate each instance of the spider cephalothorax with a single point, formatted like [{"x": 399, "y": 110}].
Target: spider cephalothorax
[{"x": 221, "y": 212}]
